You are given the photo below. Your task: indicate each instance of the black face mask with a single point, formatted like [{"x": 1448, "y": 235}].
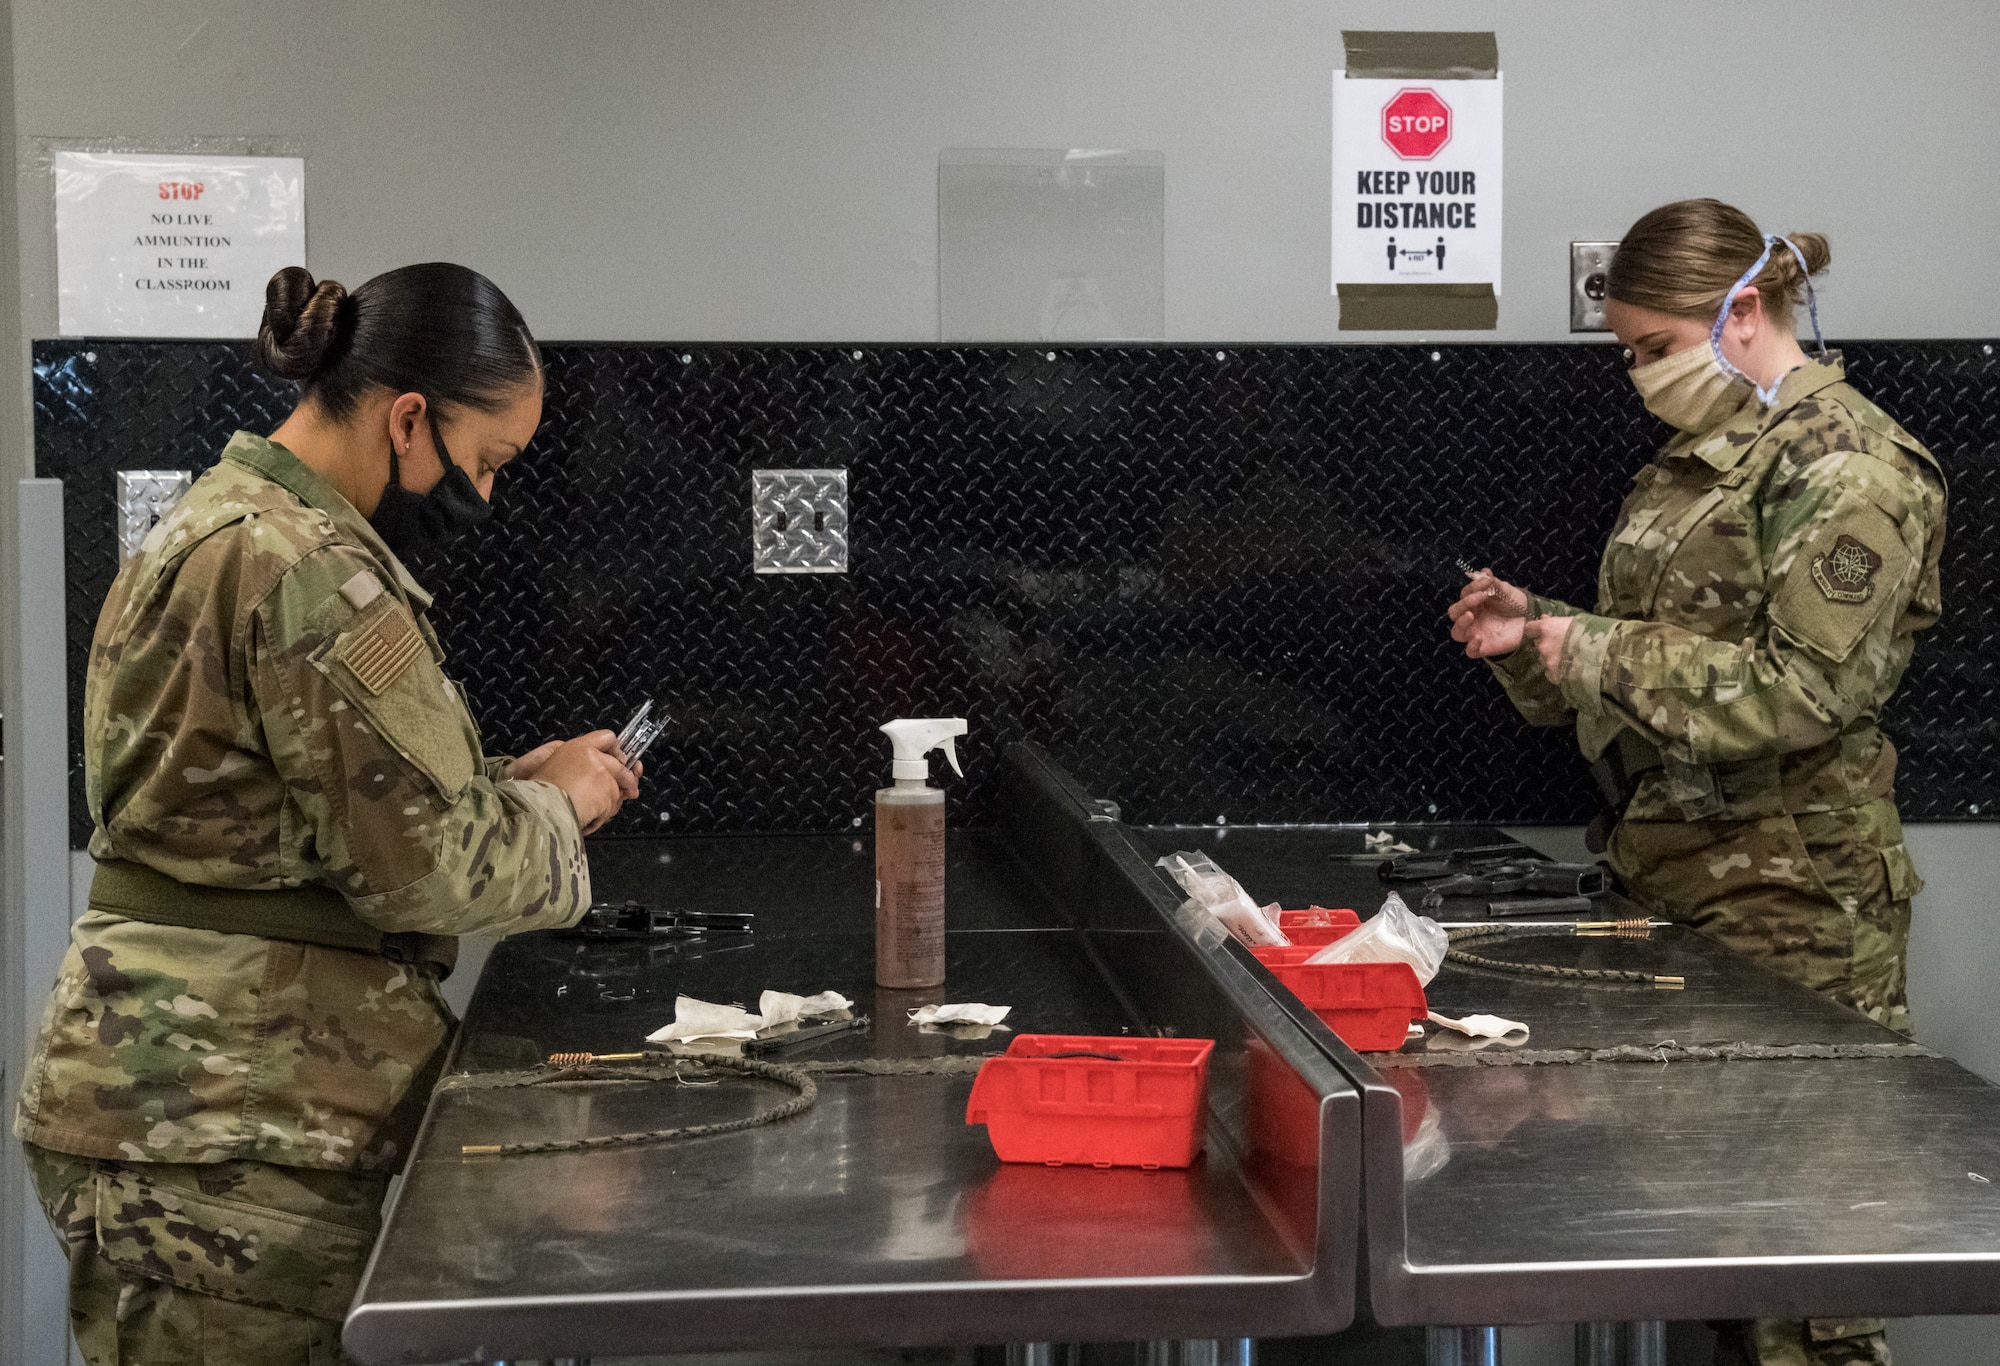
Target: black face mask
[{"x": 409, "y": 522}]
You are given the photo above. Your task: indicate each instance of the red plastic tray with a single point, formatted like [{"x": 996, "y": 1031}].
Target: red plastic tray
[
  {"x": 1316, "y": 925},
  {"x": 1369, "y": 1005},
  {"x": 1145, "y": 1109}
]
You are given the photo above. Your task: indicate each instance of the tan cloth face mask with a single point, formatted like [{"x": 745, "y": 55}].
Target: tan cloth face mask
[{"x": 1690, "y": 389}]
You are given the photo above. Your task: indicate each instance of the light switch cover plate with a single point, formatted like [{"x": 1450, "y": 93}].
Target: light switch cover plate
[
  {"x": 1589, "y": 263},
  {"x": 798, "y": 521}
]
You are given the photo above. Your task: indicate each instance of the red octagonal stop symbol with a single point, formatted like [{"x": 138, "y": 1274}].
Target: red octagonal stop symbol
[{"x": 1416, "y": 123}]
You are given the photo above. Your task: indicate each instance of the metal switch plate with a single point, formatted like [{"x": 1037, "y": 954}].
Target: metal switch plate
[
  {"x": 144, "y": 497},
  {"x": 1589, "y": 263},
  {"x": 798, "y": 521}
]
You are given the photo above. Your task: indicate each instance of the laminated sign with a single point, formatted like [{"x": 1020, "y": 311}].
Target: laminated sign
[
  {"x": 173, "y": 246},
  {"x": 1416, "y": 191}
]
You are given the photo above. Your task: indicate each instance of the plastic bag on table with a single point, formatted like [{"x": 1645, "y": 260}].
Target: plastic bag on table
[
  {"x": 1395, "y": 934},
  {"x": 1223, "y": 897}
]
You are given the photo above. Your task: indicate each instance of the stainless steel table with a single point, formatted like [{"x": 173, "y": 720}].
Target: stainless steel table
[
  {"x": 878, "y": 1216},
  {"x": 1615, "y": 1191}
]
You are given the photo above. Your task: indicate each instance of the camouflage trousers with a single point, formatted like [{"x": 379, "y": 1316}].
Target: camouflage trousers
[
  {"x": 1823, "y": 898},
  {"x": 1809, "y": 1342},
  {"x": 211, "y": 1264}
]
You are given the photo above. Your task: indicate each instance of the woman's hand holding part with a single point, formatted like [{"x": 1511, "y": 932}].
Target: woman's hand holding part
[
  {"x": 1489, "y": 616},
  {"x": 592, "y": 772},
  {"x": 529, "y": 765}
]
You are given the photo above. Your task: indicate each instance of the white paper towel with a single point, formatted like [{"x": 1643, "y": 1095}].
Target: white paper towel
[
  {"x": 971, "y": 1012},
  {"x": 782, "y": 1007},
  {"x": 705, "y": 1020}
]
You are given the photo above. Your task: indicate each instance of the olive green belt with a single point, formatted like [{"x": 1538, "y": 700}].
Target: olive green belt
[{"x": 306, "y": 915}]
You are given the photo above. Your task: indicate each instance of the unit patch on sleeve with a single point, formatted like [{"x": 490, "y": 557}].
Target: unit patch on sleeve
[
  {"x": 1846, "y": 573},
  {"x": 381, "y": 653}
]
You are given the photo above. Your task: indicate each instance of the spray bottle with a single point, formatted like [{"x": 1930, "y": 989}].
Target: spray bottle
[{"x": 909, "y": 856}]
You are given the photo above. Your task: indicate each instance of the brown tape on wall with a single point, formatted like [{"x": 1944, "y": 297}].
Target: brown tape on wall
[
  {"x": 1418, "y": 308},
  {"x": 1374, "y": 55}
]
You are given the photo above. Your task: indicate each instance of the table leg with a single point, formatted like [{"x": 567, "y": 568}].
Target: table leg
[
  {"x": 1198, "y": 1352},
  {"x": 1044, "y": 1354},
  {"x": 1641, "y": 1342},
  {"x": 1597, "y": 1343},
  {"x": 1463, "y": 1346}
]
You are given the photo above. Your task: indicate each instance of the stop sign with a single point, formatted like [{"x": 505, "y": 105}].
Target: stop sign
[{"x": 1416, "y": 123}]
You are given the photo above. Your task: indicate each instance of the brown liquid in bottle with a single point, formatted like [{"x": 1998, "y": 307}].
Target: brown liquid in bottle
[{"x": 909, "y": 887}]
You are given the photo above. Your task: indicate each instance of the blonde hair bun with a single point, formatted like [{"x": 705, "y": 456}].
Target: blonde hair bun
[{"x": 1682, "y": 258}]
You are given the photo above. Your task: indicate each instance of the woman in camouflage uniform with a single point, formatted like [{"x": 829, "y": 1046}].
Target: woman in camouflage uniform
[
  {"x": 294, "y": 821},
  {"x": 1757, "y": 604}
]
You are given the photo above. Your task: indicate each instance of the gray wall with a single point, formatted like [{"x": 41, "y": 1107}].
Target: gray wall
[
  {"x": 762, "y": 170},
  {"x": 765, "y": 170}
]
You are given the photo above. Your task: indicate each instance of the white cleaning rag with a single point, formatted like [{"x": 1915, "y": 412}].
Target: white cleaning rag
[
  {"x": 782, "y": 1007},
  {"x": 705, "y": 1020},
  {"x": 971, "y": 1012}
]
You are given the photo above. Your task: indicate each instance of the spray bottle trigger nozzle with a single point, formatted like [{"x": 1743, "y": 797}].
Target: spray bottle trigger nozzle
[{"x": 914, "y": 737}]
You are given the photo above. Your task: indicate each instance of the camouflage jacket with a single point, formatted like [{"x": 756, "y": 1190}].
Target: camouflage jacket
[
  {"x": 1756, "y": 607},
  {"x": 266, "y": 708}
]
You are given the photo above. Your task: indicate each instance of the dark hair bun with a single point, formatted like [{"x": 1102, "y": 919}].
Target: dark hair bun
[
  {"x": 437, "y": 329},
  {"x": 303, "y": 321}
]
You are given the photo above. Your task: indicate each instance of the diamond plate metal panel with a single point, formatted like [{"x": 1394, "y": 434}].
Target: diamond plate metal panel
[
  {"x": 798, "y": 521},
  {"x": 1211, "y": 583},
  {"x": 144, "y": 497}
]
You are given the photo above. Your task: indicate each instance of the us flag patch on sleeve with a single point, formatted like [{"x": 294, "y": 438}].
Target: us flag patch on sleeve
[{"x": 378, "y": 656}]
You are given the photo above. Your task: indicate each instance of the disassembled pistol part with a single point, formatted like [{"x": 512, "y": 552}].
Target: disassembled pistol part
[
  {"x": 805, "y": 1035},
  {"x": 1541, "y": 905},
  {"x": 637, "y": 920},
  {"x": 639, "y": 733}
]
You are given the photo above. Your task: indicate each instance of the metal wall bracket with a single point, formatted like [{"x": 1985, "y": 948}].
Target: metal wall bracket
[
  {"x": 144, "y": 498},
  {"x": 798, "y": 521},
  {"x": 1589, "y": 264}
]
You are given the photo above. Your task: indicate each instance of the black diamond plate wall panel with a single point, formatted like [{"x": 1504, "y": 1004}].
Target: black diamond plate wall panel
[{"x": 1212, "y": 583}]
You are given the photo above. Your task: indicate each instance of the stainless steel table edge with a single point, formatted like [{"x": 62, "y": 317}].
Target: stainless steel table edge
[
  {"x": 1910, "y": 1285},
  {"x": 1116, "y": 889},
  {"x": 884, "y": 1315},
  {"x": 1403, "y": 1293},
  {"x": 1284, "y": 1023}
]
